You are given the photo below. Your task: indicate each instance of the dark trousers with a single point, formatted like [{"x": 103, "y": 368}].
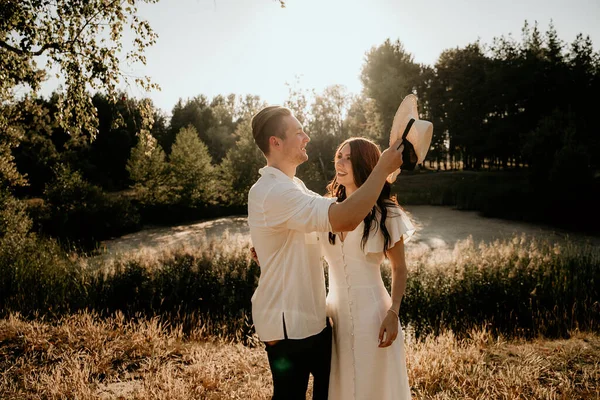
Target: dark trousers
[{"x": 293, "y": 360}]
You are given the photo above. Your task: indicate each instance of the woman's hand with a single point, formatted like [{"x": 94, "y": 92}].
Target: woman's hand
[
  {"x": 388, "y": 329},
  {"x": 254, "y": 256}
]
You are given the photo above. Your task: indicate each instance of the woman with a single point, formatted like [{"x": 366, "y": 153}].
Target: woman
[{"x": 368, "y": 359}]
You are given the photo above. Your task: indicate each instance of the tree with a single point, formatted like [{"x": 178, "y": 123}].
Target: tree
[
  {"x": 191, "y": 169},
  {"x": 297, "y": 101},
  {"x": 82, "y": 41},
  {"x": 326, "y": 129},
  {"x": 103, "y": 160},
  {"x": 389, "y": 74},
  {"x": 148, "y": 170},
  {"x": 584, "y": 67},
  {"x": 462, "y": 74},
  {"x": 431, "y": 102},
  {"x": 14, "y": 223},
  {"x": 221, "y": 133},
  {"x": 362, "y": 119},
  {"x": 36, "y": 155},
  {"x": 215, "y": 121},
  {"x": 195, "y": 112},
  {"x": 239, "y": 169}
]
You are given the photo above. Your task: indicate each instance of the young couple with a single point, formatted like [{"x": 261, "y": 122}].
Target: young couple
[{"x": 349, "y": 339}]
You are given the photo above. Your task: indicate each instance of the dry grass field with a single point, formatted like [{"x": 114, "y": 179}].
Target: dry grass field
[{"x": 85, "y": 357}]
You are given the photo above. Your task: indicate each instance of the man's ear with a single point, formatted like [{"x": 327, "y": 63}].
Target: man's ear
[{"x": 274, "y": 141}]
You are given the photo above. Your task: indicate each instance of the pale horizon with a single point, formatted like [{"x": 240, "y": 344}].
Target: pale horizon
[{"x": 255, "y": 47}]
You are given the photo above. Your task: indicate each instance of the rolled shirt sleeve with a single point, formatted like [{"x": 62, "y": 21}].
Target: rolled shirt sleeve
[{"x": 290, "y": 206}]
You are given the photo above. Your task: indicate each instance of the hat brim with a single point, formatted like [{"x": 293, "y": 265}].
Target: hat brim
[
  {"x": 419, "y": 135},
  {"x": 407, "y": 110}
]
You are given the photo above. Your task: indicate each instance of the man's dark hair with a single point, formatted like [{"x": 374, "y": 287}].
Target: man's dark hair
[{"x": 268, "y": 122}]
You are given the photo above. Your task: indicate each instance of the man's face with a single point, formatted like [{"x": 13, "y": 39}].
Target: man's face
[{"x": 294, "y": 145}]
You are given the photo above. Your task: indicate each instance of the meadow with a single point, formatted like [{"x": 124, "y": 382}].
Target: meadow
[
  {"x": 83, "y": 356},
  {"x": 512, "y": 319}
]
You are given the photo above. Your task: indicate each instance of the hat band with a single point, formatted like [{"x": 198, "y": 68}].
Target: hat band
[{"x": 406, "y": 130}]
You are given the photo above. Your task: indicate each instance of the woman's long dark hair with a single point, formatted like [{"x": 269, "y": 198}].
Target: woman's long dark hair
[{"x": 364, "y": 155}]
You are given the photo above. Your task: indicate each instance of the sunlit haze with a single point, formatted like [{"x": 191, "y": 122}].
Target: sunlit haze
[{"x": 215, "y": 47}]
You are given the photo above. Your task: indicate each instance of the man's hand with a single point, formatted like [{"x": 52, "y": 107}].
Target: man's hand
[
  {"x": 254, "y": 256},
  {"x": 391, "y": 158}
]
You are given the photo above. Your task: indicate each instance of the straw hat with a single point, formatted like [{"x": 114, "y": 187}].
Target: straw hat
[{"x": 416, "y": 133}]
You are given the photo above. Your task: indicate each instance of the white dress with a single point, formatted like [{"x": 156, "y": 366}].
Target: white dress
[{"x": 358, "y": 302}]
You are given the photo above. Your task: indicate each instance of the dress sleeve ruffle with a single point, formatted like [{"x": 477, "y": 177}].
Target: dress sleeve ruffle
[{"x": 399, "y": 227}]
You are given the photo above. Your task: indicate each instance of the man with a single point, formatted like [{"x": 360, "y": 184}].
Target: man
[{"x": 288, "y": 306}]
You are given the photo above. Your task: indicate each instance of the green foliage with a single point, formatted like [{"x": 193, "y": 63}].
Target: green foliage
[
  {"x": 298, "y": 101},
  {"x": 81, "y": 43},
  {"x": 239, "y": 169},
  {"x": 221, "y": 133},
  {"x": 326, "y": 128},
  {"x": 363, "y": 119},
  {"x": 80, "y": 213},
  {"x": 211, "y": 284},
  {"x": 148, "y": 170},
  {"x": 67, "y": 34},
  {"x": 10, "y": 139},
  {"x": 557, "y": 151},
  {"x": 41, "y": 279},
  {"x": 36, "y": 155},
  {"x": 192, "y": 177},
  {"x": 35, "y": 274},
  {"x": 389, "y": 74},
  {"x": 15, "y": 224},
  {"x": 517, "y": 288},
  {"x": 195, "y": 112},
  {"x": 463, "y": 73},
  {"x": 486, "y": 102},
  {"x": 215, "y": 121},
  {"x": 103, "y": 161}
]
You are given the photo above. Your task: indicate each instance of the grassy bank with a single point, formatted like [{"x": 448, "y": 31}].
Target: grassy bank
[
  {"x": 86, "y": 357},
  {"x": 517, "y": 288}
]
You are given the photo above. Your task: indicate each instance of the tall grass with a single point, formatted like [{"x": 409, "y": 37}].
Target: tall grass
[
  {"x": 518, "y": 288},
  {"x": 84, "y": 356}
]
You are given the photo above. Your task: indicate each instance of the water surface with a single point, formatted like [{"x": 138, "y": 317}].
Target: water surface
[{"x": 438, "y": 228}]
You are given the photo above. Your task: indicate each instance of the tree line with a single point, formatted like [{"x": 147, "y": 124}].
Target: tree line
[{"x": 106, "y": 163}]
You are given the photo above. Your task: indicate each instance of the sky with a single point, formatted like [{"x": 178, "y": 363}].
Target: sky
[{"x": 256, "y": 47}]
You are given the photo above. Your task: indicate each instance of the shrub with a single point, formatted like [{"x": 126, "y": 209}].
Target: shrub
[
  {"x": 517, "y": 288},
  {"x": 78, "y": 212}
]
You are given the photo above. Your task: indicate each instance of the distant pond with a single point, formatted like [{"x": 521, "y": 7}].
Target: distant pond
[{"x": 438, "y": 228}]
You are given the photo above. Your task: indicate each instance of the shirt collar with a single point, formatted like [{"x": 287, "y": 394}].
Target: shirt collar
[{"x": 274, "y": 171}]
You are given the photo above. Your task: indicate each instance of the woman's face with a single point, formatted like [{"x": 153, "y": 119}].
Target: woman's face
[{"x": 343, "y": 168}]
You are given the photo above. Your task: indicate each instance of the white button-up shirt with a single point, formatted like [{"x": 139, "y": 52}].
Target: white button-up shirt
[{"x": 284, "y": 217}]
